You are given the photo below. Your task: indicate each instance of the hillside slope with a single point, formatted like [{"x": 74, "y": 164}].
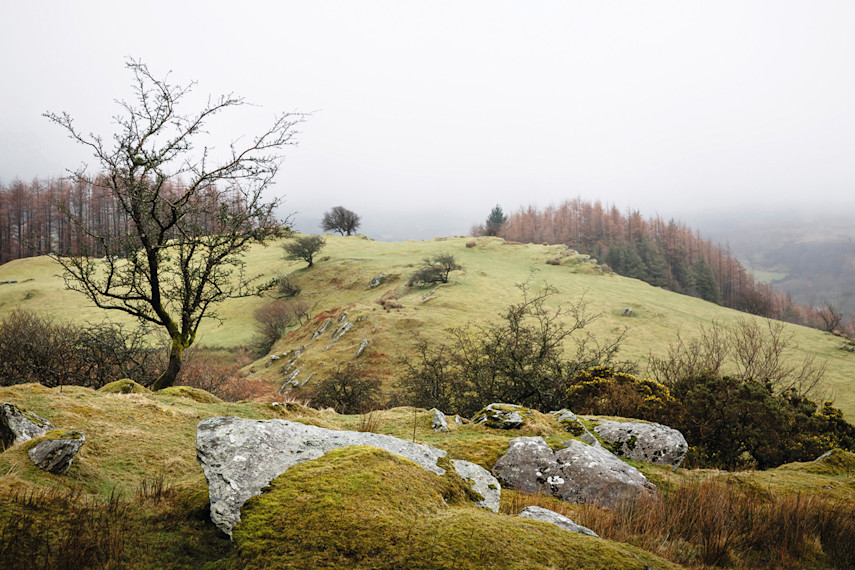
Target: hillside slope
[{"x": 339, "y": 284}]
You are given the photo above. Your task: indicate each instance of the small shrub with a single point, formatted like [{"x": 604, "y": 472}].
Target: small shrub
[
  {"x": 348, "y": 390},
  {"x": 471, "y": 243},
  {"x": 273, "y": 319},
  {"x": 553, "y": 261},
  {"x": 288, "y": 287},
  {"x": 435, "y": 270}
]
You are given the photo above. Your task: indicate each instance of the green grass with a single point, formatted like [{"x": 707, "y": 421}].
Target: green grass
[{"x": 479, "y": 293}]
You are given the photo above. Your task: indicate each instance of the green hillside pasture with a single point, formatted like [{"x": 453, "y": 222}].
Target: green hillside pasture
[{"x": 338, "y": 283}]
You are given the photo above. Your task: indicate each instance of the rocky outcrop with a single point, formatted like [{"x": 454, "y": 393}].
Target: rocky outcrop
[
  {"x": 641, "y": 441},
  {"x": 559, "y": 520},
  {"x": 579, "y": 473},
  {"x": 482, "y": 481},
  {"x": 54, "y": 452},
  {"x": 240, "y": 457},
  {"x": 17, "y": 425},
  {"x": 502, "y": 416},
  {"x": 438, "y": 422}
]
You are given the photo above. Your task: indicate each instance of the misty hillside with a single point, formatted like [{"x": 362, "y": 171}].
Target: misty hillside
[{"x": 810, "y": 256}]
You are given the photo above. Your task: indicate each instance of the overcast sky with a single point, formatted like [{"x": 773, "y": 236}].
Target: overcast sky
[{"x": 448, "y": 108}]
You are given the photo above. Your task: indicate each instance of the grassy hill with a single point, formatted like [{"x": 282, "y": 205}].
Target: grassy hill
[{"x": 338, "y": 284}]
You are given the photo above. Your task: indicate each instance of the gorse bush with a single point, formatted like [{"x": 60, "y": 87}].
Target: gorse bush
[{"x": 599, "y": 390}]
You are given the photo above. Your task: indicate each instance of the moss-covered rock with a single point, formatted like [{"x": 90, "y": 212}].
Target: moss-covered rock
[
  {"x": 123, "y": 386},
  {"x": 361, "y": 507},
  {"x": 195, "y": 394},
  {"x": 502, "y": 416},
  {"x": 54, "y": 451},
  {"x": 18, "y": 425}
]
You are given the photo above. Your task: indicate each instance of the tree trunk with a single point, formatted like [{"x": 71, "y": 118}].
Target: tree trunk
[{"x": 169, "y": 375}]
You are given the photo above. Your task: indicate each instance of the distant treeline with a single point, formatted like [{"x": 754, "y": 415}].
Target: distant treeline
[
  {"x": 665, "y": 254},
  {"x": 61, "y": 217}
]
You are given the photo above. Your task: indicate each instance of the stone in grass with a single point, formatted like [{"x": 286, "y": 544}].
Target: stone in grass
[
  {"x": 18, "y": 425},
  {"x": 439, "y": 422},
  {"x": 502, "y": 416},
  {"x": 559, "y": 520},
  {"x": 579, "y": 473},
  {"x": 54, "y": 452},
  {"x": 482, "y": 482}
]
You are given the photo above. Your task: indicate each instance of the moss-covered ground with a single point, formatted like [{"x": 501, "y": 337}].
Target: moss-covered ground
[{"x": 136, "y": 497}]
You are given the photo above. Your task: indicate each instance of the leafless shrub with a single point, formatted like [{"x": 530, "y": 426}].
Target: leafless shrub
[
  {"x": 273, "y": 319},
  {"x": 288, "y": 287},
  {"x": 750, "y": 348}
]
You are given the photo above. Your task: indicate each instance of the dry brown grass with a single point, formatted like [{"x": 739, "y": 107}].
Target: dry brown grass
[{"x": 717, "y": 523}]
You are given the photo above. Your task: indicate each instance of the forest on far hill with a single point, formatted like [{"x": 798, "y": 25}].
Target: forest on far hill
[{"x": 672, "y": 255}]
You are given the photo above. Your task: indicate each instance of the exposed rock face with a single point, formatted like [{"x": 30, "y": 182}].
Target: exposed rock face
[
  {"x": 545, "y": 515},
  {"x": 377, "y": 280},
  {"x": 579, "y": 473},
  {"x": 56, "y": 450},
  {"x": 502, "y": 416},
  {"x": 17, "y": 425},
  {"x": 240, "y": 457},
  {"x": 649, "y": 442},
  {"x": 483, "y": 483},
  {"x": 439, "y": 421}
]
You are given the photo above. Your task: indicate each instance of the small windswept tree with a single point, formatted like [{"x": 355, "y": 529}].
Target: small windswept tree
[
  {"x": 189, "y": 216},
  {"x": 341, "y": 220},
  {"x": 304, "y": 248},
  {"x": 435, "y": 270}
]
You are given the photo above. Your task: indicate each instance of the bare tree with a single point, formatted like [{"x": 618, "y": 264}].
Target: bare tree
[
  {"x": 340, "y": 220},
  {"x": 304, "y": 247},
  {"x": 191, "y": 215},
  {"x": 830, "y": 317}
]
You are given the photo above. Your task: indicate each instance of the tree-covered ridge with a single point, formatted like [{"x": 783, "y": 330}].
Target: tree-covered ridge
[{"x": 665, "y": 254}]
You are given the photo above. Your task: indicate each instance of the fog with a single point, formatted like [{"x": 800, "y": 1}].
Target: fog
[{"x": 425, "y": 115}]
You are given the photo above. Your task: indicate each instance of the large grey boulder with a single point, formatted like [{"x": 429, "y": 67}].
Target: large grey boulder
[
  {"x": 56, "y": 450},
  {"x": 529, "y": 466},
  {"x": 559, "y": 520},
  {"x": 482, "y": 481},
  {"x": 502, "y": 416},
  {"x": 579, "y": 473},
  {"x": 594, "y": 475},
  {"x": 240, "y": 457},
  {"x": 641, "y": 441},
  {"x": 17, "y": 425}
]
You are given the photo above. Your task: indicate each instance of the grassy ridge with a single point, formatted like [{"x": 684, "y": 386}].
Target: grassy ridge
[{"x": 477, "y": 294}]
